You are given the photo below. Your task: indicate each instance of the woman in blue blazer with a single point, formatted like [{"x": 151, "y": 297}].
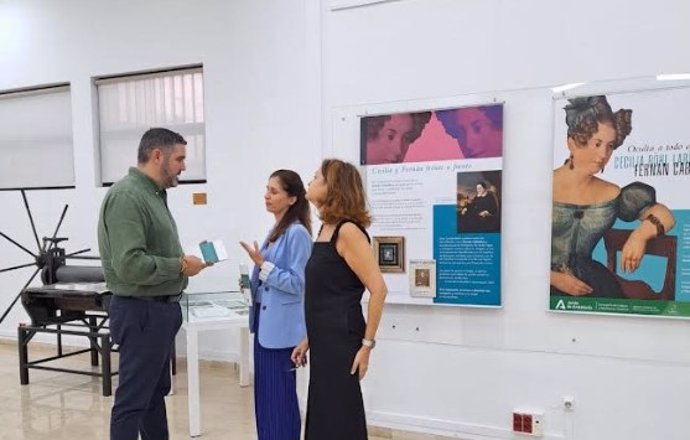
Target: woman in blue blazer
[{"x": 276, "y": 316}]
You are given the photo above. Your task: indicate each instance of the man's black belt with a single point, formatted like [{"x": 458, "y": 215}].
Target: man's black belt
[{"x": 160, "y": 298}]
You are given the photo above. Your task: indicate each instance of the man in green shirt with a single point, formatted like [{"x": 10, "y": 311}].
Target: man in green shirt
[{"x": 146, "y": 270}]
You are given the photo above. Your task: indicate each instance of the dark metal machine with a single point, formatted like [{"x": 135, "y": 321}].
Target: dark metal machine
[
  {"x": 72, "y": 301},
  {"x": 69, "y": 293}
]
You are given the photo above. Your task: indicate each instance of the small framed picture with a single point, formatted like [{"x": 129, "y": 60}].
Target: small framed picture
[
  {"x": 423, "y": 278},
  {"x": 390, "y": 253}
]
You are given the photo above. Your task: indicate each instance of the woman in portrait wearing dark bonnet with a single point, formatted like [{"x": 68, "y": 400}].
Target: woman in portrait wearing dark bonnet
[{"x": 585, "y": 206}]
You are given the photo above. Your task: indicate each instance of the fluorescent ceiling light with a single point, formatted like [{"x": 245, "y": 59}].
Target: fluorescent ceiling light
[
  {"x": 565, "y": 87},
  {"x": 673, "y": 76}
]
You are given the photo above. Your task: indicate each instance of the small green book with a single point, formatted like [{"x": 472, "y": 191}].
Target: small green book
[{"x": 213, "y": 251}]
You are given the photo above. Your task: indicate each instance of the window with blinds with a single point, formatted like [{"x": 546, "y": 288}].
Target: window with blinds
[
  {"x": 128, "y": 105},
  {"x": 36, "y": 138}
]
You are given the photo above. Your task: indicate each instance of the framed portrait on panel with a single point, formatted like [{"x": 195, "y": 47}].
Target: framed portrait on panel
[
  {"x": 423, "y": 278},
  {"x": 390, "y": 253}
]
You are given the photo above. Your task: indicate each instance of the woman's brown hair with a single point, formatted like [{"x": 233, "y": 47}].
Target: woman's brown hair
[
  {"x": 583, "y": 116},
  {"x": 345, "y": 197},
  {"x": 298, "y": 211}
]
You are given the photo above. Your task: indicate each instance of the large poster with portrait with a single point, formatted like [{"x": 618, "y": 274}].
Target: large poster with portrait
[
  {"x": 434, "y": 185},
  {"x": 620, "y": 239}
]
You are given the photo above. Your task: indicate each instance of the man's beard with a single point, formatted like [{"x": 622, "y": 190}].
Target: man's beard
[{"x": 169, "y": 178}]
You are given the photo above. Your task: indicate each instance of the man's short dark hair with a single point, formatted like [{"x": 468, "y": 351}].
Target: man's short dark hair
[{"x": 161, "y": 138}]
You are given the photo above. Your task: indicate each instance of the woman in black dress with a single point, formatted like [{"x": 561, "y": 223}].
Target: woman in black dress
[
  {"x": 483, "y": 211},
  {"x": 341, "y": 266}
]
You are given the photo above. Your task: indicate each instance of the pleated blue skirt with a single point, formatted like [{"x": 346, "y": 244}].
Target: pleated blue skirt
[{"x": 275, "y": 392}]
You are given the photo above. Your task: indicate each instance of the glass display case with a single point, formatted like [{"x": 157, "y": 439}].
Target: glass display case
[
  {"x": 212, "y": 311},
  {"x": 213, "y": 306}
]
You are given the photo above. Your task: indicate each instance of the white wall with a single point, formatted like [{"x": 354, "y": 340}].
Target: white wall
[
  {"x": 463, "y": 371},
  {"x": 262, "y": 108}
]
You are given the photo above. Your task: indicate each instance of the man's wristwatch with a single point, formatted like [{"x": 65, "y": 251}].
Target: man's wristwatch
[{"x": 370, "y": 343}]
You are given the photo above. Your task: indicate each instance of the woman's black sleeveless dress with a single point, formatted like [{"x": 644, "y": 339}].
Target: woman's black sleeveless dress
[{"x": 335, "y": 327}]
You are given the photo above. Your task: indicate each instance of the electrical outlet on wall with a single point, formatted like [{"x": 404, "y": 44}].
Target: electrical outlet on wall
[{"x": 528, "y": 422}]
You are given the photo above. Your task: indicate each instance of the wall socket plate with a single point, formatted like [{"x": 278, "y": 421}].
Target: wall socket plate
[{"x": 528, "y": 422}]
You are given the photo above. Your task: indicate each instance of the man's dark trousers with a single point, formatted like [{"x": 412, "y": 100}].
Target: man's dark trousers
[{"x": 145, "y": 332}]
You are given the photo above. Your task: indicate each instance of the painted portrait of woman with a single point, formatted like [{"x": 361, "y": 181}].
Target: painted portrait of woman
[
  {"x": 477, "y": 130},
  {"x": 479, "y": 202},
  {"x": 586, "y": 206},
  {"x": 386, "y": 138}
]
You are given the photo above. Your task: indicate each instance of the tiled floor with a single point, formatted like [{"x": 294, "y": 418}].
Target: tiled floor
[{"x": 60, "y": 406}]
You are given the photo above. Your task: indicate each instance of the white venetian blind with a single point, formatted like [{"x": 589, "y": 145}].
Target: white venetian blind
[
  {"x": 36, "y": 139},
  {"x": 130, "y": 105}
]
